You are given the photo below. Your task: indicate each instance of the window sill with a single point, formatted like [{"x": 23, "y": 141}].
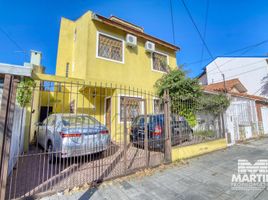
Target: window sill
[
  {"x": 116, "y": 61},
  {"x": 154, "y": 70}
]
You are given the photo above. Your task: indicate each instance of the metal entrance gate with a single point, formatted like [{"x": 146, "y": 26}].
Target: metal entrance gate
[{"x": 69, "y": 135}]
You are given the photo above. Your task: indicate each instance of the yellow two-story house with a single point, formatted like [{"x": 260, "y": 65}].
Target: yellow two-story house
[{"x": 117, "y": 60}]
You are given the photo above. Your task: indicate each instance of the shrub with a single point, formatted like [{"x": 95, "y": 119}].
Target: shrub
[{"x": 24, "y": 92}]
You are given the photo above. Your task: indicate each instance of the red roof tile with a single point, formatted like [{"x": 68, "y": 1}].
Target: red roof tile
[{"x": 230, "y": 84}]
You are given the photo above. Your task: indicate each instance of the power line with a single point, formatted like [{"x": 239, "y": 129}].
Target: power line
[
  {"x": 247, "y": 48},
  {"x": 242, "y": 66},
  {"x": 205, "y": 30},
  {"x": 172, "y": 21},
  {"x": 21, "y": 50},
  {"x": 245, "y": 72},
  {"x": 230, "y": 60},
  {"x": 12, "y": 40},
  {"x": 199, "y": 33},
  {"x": 204, "y": 43}
]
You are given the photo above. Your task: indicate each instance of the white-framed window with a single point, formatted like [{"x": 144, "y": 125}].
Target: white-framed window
[
  {"x": 133, "y": 106},
  {"x": 158, "y": 106},
  {"x": 110, "y": 47},
  {"x": 160, "y": 62}
]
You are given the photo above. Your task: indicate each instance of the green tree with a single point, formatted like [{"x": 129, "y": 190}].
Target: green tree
[
  {"x": 184, "y": 93},
  {"x": 214, "y": 104}
]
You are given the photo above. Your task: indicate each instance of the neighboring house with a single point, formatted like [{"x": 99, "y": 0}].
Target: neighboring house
[
  {"x": 262, "y": 111},
  {"x": 233, "y": 85},
  {"x": 110, "y": 53},
  {"x": 244, "y": 118},
  {"x": 246, "y": 69}
]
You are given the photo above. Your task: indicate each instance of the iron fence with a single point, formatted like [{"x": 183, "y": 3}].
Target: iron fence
[
  {"x": 72, "y": 134},
  {"x": 190, "y": 126}
]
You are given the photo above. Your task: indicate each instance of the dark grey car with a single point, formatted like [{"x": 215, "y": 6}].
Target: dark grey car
[{"x": 180, "y": 130}]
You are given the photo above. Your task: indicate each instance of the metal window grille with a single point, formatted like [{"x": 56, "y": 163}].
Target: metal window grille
[
  {"x": 133, "y": 108},
  {"x": 110, "y": 48},
  {"x": 159, "y": 62}
]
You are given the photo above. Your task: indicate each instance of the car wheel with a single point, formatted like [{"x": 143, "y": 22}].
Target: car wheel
[{"x": 51, "y": 157}]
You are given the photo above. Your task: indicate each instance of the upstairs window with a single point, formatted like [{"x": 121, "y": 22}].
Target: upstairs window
[
  {"x": 110, "y": 48},
  {"x": 160, "y": 62}
]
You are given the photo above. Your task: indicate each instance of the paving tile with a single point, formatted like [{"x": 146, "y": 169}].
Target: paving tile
[
  {"x": 207, "y": 177},
  {"x": 263, "y": 195}
]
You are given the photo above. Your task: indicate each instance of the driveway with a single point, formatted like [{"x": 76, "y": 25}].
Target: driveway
[{"x": 205, "y": 177}]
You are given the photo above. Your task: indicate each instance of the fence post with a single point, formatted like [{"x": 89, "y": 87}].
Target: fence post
[
  {"x": 125, "y": 135},
  {"x": 146, "y": 135},
  {"x": 167, "y": 114},
  {"x": 223, "y": 126},
  {"x": 6, "y": 123}
]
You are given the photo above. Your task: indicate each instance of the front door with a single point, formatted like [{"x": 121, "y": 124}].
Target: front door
[{"x": 108, "y": 110}]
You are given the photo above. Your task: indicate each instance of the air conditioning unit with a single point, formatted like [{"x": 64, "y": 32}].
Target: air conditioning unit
[
  {"x": 131, "y": 40},
  {"x": 149, "y": 46}
]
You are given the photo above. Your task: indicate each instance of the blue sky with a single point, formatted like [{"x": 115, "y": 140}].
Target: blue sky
[{"x": 232, "y": 24}]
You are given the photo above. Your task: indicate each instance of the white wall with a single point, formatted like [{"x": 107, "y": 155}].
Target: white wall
[
  {"x": 249, "y": 70},
  {"x": 17, "y": 139}
]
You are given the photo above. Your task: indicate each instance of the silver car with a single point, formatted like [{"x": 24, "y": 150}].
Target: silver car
[{"x": 68, "y": 135}]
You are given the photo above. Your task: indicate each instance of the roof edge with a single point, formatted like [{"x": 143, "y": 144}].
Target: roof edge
[{"x": 129, "y": 29}]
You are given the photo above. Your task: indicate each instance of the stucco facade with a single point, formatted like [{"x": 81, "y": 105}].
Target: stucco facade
[
  {"x": 78, "y": 43},
  {"x": 86, "y": 82}
]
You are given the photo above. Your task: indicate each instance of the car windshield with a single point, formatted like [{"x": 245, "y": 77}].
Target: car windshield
[
  {"x": 139, "y": 120},
  {"x": 79, "y": 120}
]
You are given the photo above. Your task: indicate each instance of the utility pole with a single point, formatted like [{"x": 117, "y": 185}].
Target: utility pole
[
  {"x": 225, "y": 92},
  {"x": 224, "y": 83}
]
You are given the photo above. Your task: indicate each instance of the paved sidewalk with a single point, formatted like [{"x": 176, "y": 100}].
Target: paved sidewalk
[{"x": 205, "y": 177}]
